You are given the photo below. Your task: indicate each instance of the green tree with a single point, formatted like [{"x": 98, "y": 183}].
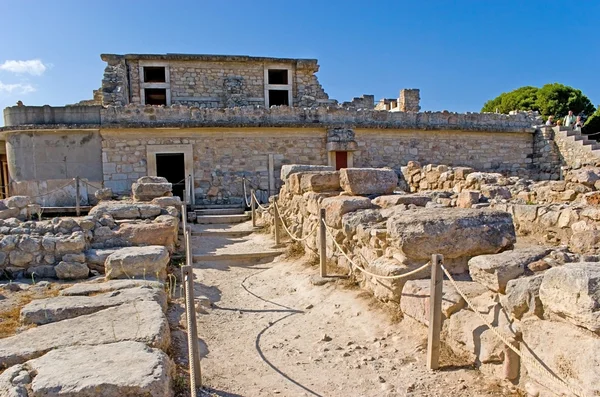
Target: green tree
[
  {"x": 592, "y": 124},
  {"x": 552, "y": 99}
]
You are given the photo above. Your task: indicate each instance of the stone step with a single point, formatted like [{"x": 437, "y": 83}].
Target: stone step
[
  {"x": 223, "y": 233},
  {"x": 240, "y": 259},
  {"x": 220, "y": 211},
  {"x": 216, "y": 206},
  {"x": 212, "y": 219}
]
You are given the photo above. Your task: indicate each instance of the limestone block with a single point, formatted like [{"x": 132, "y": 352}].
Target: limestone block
[
  {"x": 19, "y": 202},
  {"x": 572, "y": 292},
  {"x": 72, "y": 270},
  {"x": 587, "y": 176},
  {"x": 586, "y": 241},
  {"x": 494, "y": 271},
  {"x": 75, "y": 243},
  {"x": 125, "y": 210},
  {"x": 359, "y": 181},
  {"x": 30, "y": 244},
  {"x": 143, "y": 322},
  {"x": 387, "y": 201},
  {"x": 414, "y": 301},
  {"x": 324, "y": 181},
  {"x": 49, "y": 310},
  {"x": 289, "y": 169},
  {"x": 152, "y": 179},
  {"x": 592, "y": 198},
  {"x": 103, "y": 194},
  {"x": 20, "y": 258},
  {"x": 112, "y": 370},
  {"x": 467, "y": 198},
  {"x": 164, "y": 202},
  {"x": 95, "y": 258},
  {"x": 162, "y": 231},
  {"x": 87, "y": 223},
  {"x": 41, "y": 271},
  {"x": 336, "y": 207},
  {"x": 149, "y": 191},
  {"x": 9, "y": 213},
  {"x": 138, "y": 262},
  {"x": 495, "y": 192},
  {"x": 98, "y": 286},
  {"x": 569, "y": 351},
  {"x": 422, "y": 232},
  {"x": 385, "y": 290},
  {"x": 523, "y": 297},
  {"x": 80, "y": 257}
]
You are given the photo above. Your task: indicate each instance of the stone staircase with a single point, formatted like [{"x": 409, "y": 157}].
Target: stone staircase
[
  {"x": 221, "y": 215},
  {"x": 576, "y": 137}
]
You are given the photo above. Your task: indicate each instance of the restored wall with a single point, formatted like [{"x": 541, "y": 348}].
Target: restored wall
[
  {"x": 573, "y": 151},
  {"x": 20, "y": 115},
  {"x": 222, "y": 157},
  {"x": 480, "y": 150},
  {"x": 51, "y": 154}
]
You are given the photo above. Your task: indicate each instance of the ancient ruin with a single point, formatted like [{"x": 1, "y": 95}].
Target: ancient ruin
[{"x": 98, "y": 195}]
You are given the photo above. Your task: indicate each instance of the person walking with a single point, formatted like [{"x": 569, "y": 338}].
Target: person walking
[{"x": 550, "y": 121}]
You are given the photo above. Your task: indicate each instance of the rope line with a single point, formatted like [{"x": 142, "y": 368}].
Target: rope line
[
  {"x": 90, "y": 184},
  {"x": 248, "y": 204},
  {"x": 55, "y": 190},
  {"x": 259, "y": 205},
  {"x": 403, "y": 275},
  {"x": 534, "y": 363},
  {"x": 289, "y": 232}
]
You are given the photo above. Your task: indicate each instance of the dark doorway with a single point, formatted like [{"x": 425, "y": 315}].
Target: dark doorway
[
  {"x": 341, "y": 160},
  {"x": 172, "y": 167},
  {"x": 155, "y": 96},
  {"x": 278, "y": 98}
]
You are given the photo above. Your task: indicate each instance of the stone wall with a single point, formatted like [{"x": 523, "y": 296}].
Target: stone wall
[
  {"x": 409, "y": 100},
  {"x": 575, "y": 150},
  {"x": 484, "y": 151}
]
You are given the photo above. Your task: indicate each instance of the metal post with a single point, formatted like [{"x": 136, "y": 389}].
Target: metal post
[
  {"x": 77, "y": 203},
  {"x": 184, "y": 218},
  {"x": 435, "y": 312},
  {"x": 191, "y": 184},
  {"x": 192, "y": 330},
  {"x": 276, "y": 223},
  {"x": 253, "y": 206},
  {"x": 322, "y": 244}
]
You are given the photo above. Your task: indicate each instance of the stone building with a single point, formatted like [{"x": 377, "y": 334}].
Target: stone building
[{"x": 207, "y": 122}]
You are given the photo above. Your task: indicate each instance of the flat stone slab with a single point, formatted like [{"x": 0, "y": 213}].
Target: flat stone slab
[
  {"x": 120, "y": 369},
  {"x": 138, "y": 262},
  {"x": 495, "y": 271},
  {"x": 106, "y": 286},
  {"x": 139, "y": 321},
  {"x": 49, "y": 310}
]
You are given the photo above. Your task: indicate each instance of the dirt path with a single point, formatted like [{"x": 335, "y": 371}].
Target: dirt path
[{"x": 270, "y": 332}]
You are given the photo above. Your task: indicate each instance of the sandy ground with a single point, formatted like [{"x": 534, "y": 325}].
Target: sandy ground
[{"x": 271, "y": 332}]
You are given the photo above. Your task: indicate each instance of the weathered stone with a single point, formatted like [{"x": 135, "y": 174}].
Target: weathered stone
[
  {"x": 385, "y": 290},
  {"x": 103, "y": 194},
  {"x": 41, "y": 271},
  {"x": 585, "y": 242},
  {"x": 289, "y": 169},
  {"x": 149, "y": 191},
  {"x": 17, "y": 202},
  {"x": 467, "y": 198},
  {"x": 95, "y": 258},
  {"x": 112, "y": 370},
  {"x": 163, "y": 231},
  {"x": 362, "y": 218},
  {"x": 9, "y": 213},
  {"x": 523, "y": 297},
  {"x": 49, "y": 310},
  {"x": 20, "y": 258},
  {"x": 14, "y": 382},
  {"x": 358, "y": 181},
  {"x": 143, "y": 322},
  {"x": 164, "y": 202},
  {"x": 152, "y": 179},
  {"x": 460, "y": 173},
  {"x": 585, "y": 176},
  {"x": 75, "y": 243},
  {"x": 538, "y": 266},
  {"x": 422, "y": 232},
  {"x": 415, "y": 298},
  {"x": 116, "y": 210},
  {"x": 494, "y": 271},
  {"x": 572, "y": 292},
  {"x": 419, "y": 200},
  {"x": 569, "y": 351},
  {"x": 138, "y": 262},
  {"x": 336, "y": 207},
  {"x": 495, "y": 192},
  {"x": 72, "y": 270},
  {"x": 149, "y": 210},
  {"x": 100, "y": 286},
  {"x": 324, "y": 181}
]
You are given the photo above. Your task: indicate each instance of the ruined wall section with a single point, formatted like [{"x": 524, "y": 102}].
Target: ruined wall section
[
  {"x": 221, "y": 158},
  {"x": 115, "y": 84}
]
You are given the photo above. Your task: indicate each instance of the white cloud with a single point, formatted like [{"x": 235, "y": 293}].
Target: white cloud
[
  {"x": 16, "y": 88},
  {"x": 34, "y": 67}
]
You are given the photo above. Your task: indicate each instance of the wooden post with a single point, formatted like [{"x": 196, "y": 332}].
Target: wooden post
[
  {"x": 276, "y": 223},
  {"x": 512, "y": 362},
  {"x": 322, "y": 244},
  {"x": 435, "y": 312},
  {"x": 253, "y": 207},
  {"x": 77, "y": 201},
  {"x": 191, "y": 184}
]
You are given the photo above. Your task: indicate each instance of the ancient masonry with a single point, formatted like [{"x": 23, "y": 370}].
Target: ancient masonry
[{"x": 206, "y": 122}]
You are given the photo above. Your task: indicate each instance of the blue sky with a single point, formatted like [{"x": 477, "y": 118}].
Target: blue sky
[{"x": 459, "y": 53}]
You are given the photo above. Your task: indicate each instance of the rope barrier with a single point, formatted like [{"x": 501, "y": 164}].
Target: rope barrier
[
  {"x": 261, "y": 206},
  {"x": 245, "y": 192},
  {"x": 403, "y": 275},
  {"x": 526, "y": 359},
  {"x": 289, "y": 232},
  {"x": 52, "y": 191},
  {"x": 90, "y": 184}
]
